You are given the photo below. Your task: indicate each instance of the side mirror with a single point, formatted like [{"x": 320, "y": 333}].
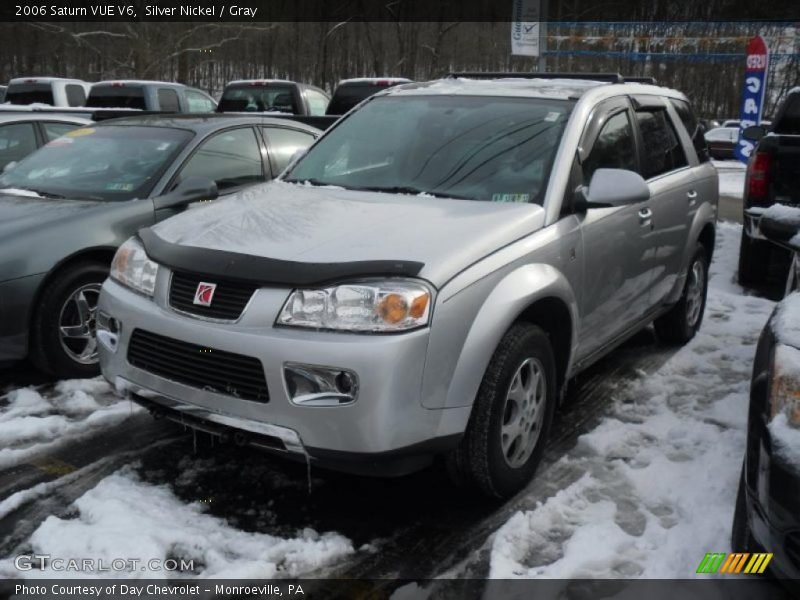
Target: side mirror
[
  {"x": 612, "y": 187},
  {"x": 754, "y": 133},
  {"x": 191, "y": 189},
  {"x": 10, "y": 166},
  {"x": 781, "y": 224}
]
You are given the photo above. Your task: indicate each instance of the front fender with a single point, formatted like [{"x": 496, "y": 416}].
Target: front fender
[{"x": 471, "y": 324}]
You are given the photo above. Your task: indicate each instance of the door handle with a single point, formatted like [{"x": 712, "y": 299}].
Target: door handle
[
  {"x": 691, "y": 195},
  {"x": 646, "y": 217}
]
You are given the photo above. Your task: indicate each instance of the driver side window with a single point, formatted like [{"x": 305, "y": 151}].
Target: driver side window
[
  {"x": 231, "y": 158},
  {"x": 614, "y": 147}
]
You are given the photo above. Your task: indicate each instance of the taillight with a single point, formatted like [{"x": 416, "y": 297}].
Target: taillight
[{"x": 758, "y": 176}]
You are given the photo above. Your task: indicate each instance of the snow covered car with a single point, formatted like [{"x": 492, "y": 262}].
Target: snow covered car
[
  {"x": 426, "y": 278},
  {"x": 767, "y": 515}
]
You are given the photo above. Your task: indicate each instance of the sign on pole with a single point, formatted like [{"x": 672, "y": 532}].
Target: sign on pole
[
  {"x": 525, "y": 28},
  {"x": 755, "y": 81}
]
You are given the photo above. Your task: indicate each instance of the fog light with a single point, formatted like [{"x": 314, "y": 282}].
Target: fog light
[
  {"x": 107, "y": 330},
  {"x": 313, "y": 385}
]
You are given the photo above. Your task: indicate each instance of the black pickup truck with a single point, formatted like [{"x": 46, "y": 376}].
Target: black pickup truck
[{"x": 773, "y": 177}]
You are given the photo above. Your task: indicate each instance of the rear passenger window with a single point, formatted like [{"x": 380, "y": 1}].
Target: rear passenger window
[
  {"x": 199, "y": 103},
  {"x": 53, "y": 130},
  {"x": 284, "y": 143},
  {"x": 662, "y": 147},
  {"x": 231, "y": 158},
  {"x": 317, "y": 103},
  {"x": 613, "y": 149},
  {"x": 76, "y": 95},
  {"x": 168, "y": 100},
  {"x": 692, "y": 128}
]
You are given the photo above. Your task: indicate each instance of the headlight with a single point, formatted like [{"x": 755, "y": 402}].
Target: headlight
[
  {"x": 379, "y": 306},
  {"x": 785, "y": 386},
  {"x": 133, "y": 268}
]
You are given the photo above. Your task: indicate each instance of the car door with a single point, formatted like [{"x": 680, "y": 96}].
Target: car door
[
  {"x": 673, "y": 194},
  {"x": 617, "y": 241}
]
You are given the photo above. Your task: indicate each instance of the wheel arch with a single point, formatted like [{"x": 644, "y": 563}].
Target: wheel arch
[
  {"x": 100, "y": 254},
  {"x": 535, "y": 293}
]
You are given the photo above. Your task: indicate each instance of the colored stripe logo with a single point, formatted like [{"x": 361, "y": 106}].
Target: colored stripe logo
[{"x": 735, "y": 562}]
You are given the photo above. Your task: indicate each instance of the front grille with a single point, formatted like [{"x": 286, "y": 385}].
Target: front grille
[
  {"x": 228, "y": 302},
  {"x": 198, "y": 366},
  {"x": 792, "y": 545}
]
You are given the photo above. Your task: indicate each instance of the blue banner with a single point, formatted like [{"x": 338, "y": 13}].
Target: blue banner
[{"x": 755, "y": 80}]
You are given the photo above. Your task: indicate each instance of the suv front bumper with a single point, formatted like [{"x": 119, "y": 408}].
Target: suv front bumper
[{"x": 386, "y": 430}]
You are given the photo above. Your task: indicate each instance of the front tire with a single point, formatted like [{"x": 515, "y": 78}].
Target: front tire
[
  {"x": 681, "y": 323},
  {"x": 63, "y": 340},
  {"x": 511, "y": 417}
]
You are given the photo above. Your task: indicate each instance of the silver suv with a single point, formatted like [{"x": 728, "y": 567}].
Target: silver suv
[{"x": 425, "y": 279}]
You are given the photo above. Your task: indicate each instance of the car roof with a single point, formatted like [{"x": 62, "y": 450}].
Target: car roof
[
  {"x": 138, "y": 82},
  {"x": 206, "y": 122},
  {"x": 562, "y": 88},
  {"x": 357, "y": 80},
  {"x": 11, "y": 117},
  {"x": 42, "y": 80},
  {"x": 249, "y": 81}
]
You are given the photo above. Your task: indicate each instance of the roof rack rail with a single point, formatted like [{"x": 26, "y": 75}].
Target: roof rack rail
[
  {"x": 607, "y": 77},
  {"x": 647, "y": 80}
]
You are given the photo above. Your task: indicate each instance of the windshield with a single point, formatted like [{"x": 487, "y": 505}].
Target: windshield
[
  {"x": 103, "y": 163},
  {"x": 477, "y": 148},
  {"x": 30, "y": 93},
  {"x": 257, "y": 97},
  {"x": 118, "y": 96}
]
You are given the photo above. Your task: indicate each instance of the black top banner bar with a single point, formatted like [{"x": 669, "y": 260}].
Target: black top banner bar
[{"x": 56, "y": 11}]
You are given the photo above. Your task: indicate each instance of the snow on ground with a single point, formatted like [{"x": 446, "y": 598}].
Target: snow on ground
[
  {"x": 731, "y": 177},
  {"x": 124, "y": 517},
  {"x": 660, "y": 473},
  {"x": 33, "y": 421}
]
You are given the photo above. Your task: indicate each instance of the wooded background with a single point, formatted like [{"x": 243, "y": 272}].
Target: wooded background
[{"x": 705, "y": 60}]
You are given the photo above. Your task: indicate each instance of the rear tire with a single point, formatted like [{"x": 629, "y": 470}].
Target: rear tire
[
  {"x": 62, "y": 331},
  {"x": 681, "y": 323},
  {"x": 754, "y": 258},
  {"x": 511, "y": 417}
]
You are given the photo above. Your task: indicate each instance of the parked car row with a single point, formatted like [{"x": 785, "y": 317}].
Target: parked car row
[{"x": 250, "y": 95}]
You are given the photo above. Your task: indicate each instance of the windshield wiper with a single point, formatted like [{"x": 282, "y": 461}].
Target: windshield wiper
[
  {"x": 407, "y": 189},
  {"x": 311, "y": 181},
  {"x": 35, "y": 191}
]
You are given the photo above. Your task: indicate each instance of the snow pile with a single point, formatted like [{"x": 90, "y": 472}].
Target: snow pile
[
  {"x": 124, "y": 517},
  {"x": 731, "y": 177},
  {"x": 32, "y": 421},
  {"x": 660, "y": 473}
]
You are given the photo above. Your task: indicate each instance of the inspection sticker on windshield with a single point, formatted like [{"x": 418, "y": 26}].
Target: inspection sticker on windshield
[
  {"x": 119, "y": 187},
  {"x": 62, "y": 141},
  {"x": 80, "y": 132},
  {"x": 511, "y": 198},
  {"x": 552, "y": 117}
]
